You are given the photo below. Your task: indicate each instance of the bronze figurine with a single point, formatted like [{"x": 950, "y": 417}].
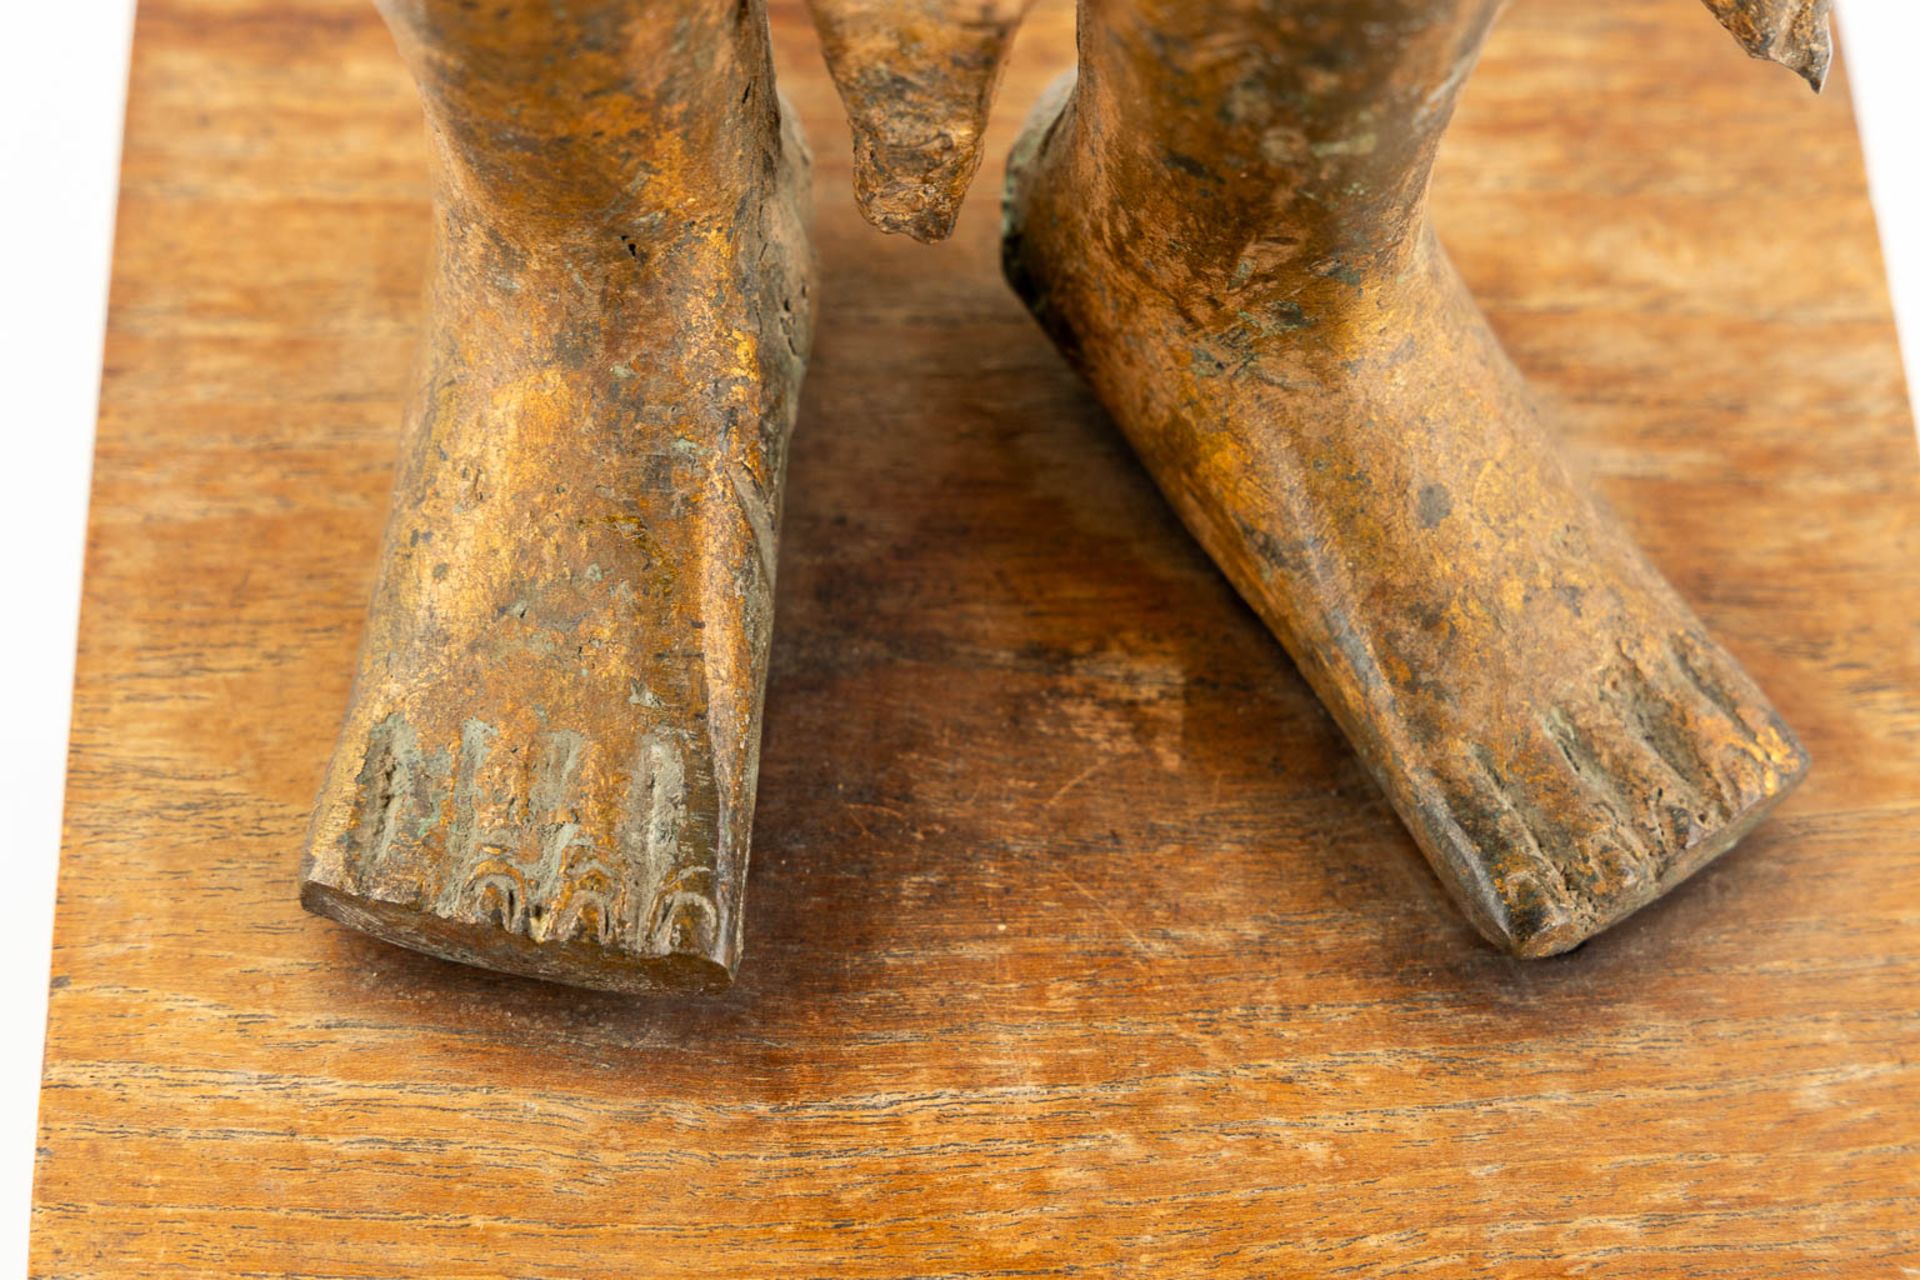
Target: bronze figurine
[{"x": 548, "y": 765}]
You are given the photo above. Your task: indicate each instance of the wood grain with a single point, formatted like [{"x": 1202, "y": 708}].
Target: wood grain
[{"x": 1077, "y": 942}]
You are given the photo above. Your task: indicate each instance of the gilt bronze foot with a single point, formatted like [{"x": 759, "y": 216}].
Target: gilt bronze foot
[
  {"x": 1223, "y": 225},
  {"x": 548, "y": 763}
]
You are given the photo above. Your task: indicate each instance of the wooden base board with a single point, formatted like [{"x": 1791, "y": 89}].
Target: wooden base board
[{"x": 1078, "y": 944}]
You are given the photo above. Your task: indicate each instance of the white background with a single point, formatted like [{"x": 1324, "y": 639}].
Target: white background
[{"x": 62, "y": 96}]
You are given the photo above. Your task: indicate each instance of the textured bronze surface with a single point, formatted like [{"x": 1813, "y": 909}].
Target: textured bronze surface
[
  {"x": 1224, "y": 226},
  {"x": 918, "y": 79},
  {"x": 549, "y": 761},
  {"x": 1792, "y": 33},
  {"x": 548, "y": 764}
]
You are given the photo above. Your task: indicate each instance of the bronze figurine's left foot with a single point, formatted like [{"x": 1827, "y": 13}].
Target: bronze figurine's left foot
[
  {"x": 548, "y": 765},
  {"x": 1223, "y": 226}
]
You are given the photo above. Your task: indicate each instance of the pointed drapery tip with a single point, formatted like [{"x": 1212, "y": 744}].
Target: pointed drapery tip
[
  {"x": 913, "y": 185},
  {"x": 928, "y": 220},
  {"x": 1813, "y": 70},
  {"x": 1794, "y": 33},
  {"x": 917, "y": 78}
]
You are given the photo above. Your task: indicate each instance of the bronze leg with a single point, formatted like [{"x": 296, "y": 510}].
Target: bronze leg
[
  {"x": 1224, "y": 226},
  {"x": 548, "y": 763}
]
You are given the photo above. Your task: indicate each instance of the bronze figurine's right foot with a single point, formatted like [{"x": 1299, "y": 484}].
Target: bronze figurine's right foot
[
  {"x": 1223, "y": 227},
  {"x": 548, "y": 764}
]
